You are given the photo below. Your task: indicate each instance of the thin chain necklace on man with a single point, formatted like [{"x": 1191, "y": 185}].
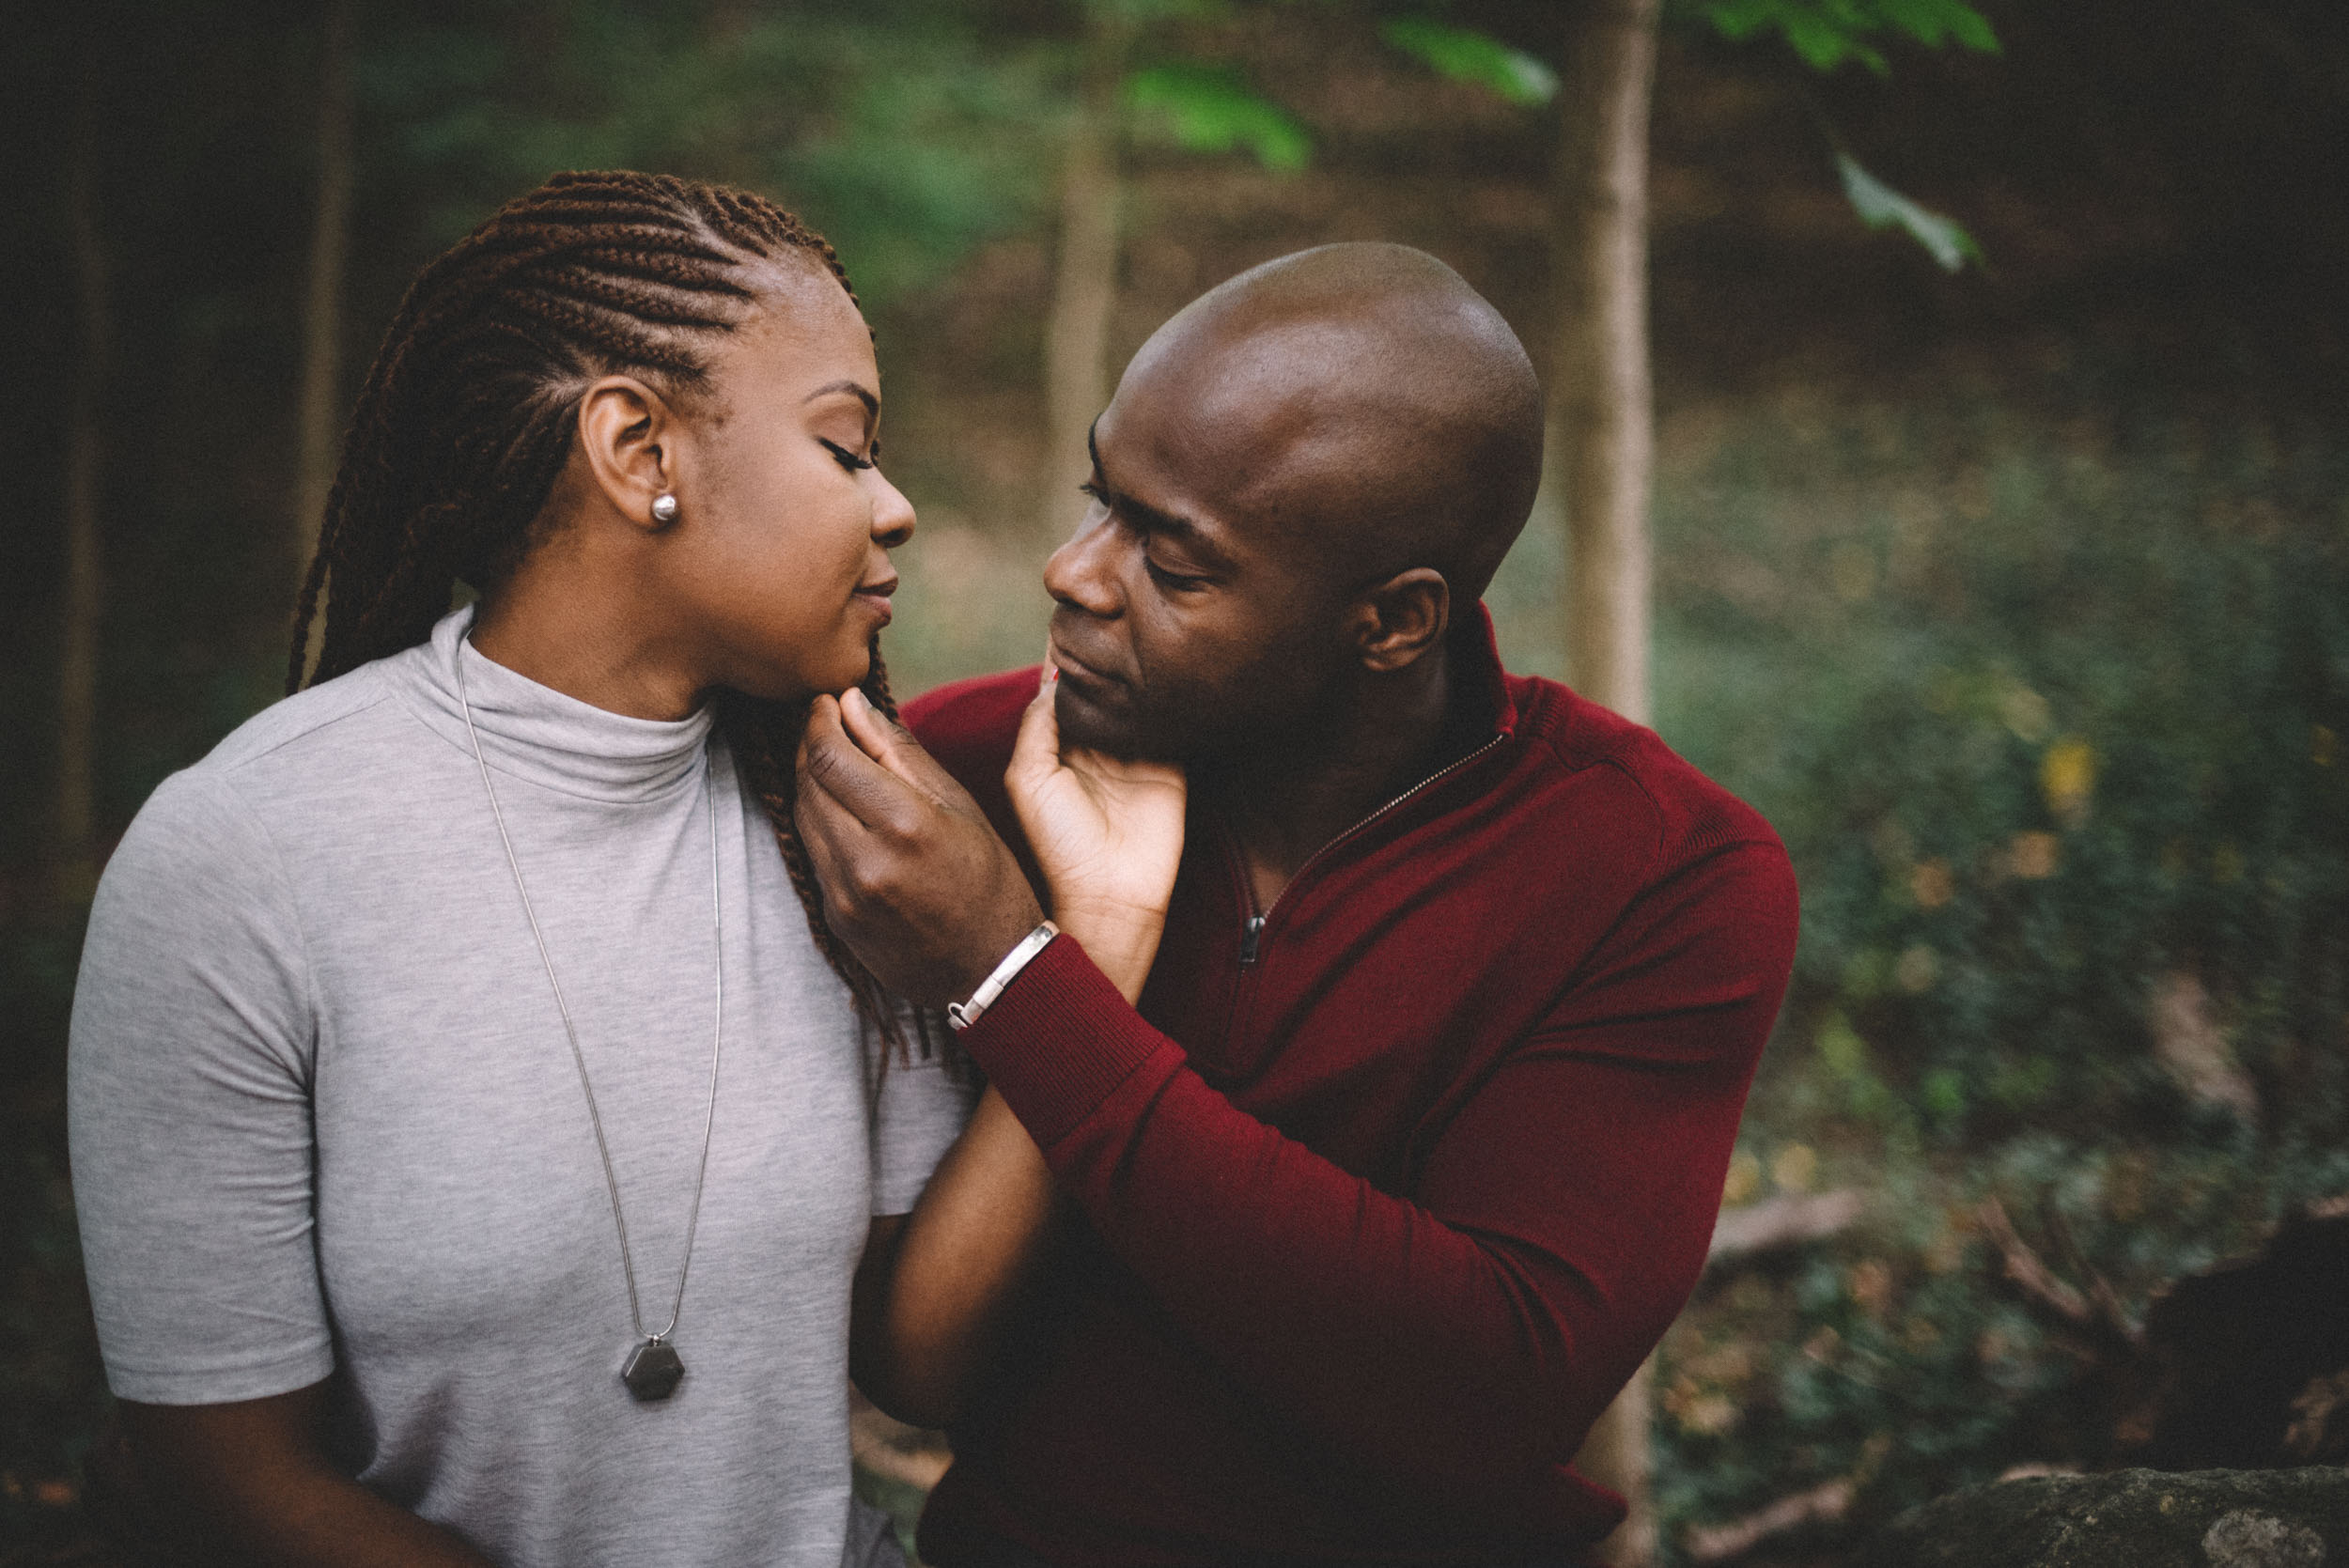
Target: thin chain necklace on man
[{"x": 653, "y": 1370}]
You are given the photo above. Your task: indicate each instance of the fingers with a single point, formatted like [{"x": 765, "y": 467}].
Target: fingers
[
  {"x": 893, "y": 746},
  {"x": 832, "y": 764},
  {"x": 828, "y": 830},
  {"x": 822, "y": 821}
]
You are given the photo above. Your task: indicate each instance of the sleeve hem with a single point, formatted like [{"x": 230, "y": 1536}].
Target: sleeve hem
[
  {"x": 1060, "y": 1041},
  {"x": 220, "y": 1385}
]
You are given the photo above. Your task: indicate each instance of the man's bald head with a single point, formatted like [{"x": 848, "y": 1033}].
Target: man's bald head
[
  {"x": 1363, "y": 397},
  {"x": 1301, "y": 476}
]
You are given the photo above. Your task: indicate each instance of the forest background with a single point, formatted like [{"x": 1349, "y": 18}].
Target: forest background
[{"x": 2017, "y": 595}]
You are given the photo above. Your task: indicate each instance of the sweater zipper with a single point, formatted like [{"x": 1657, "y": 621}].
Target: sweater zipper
[{"x": 1251, "y": 934}]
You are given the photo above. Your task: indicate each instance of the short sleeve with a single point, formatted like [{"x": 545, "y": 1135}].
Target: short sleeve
[
  {"x": 193, "y": 1035},
  {"x": 921, "y": 1107}
]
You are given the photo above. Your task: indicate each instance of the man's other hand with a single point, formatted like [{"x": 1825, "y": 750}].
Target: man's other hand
[
  {"x": 1108, "y": 834},
  {"x": 914, "y": 880}
]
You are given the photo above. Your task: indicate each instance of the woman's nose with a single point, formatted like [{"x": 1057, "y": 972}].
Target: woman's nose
[{"x": 893, "y": 514}]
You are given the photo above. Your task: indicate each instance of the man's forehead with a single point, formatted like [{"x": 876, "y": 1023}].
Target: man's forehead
[{"x": 1268, "y": 429}]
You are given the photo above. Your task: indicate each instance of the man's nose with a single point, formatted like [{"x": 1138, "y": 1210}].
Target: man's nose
[{"x": 1081, "y": 573}]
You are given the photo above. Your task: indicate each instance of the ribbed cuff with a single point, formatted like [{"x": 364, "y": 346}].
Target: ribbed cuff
[{"x": 1059, "y": 1041}]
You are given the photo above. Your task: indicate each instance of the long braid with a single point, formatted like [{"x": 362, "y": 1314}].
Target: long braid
[{"x": 466, "y": 421}]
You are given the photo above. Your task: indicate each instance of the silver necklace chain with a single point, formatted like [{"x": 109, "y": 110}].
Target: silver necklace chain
[{"x": 579, "y": 1060}]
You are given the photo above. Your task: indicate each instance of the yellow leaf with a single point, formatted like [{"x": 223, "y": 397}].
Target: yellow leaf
[
  {"x": 1745, "y": 1177},
  {"x": 2067, "y": 777},
  {"x": 1794, "y": 1167}
]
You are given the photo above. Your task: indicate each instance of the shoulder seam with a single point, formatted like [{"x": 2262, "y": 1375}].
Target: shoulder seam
[{"x": 377, "y": 699}]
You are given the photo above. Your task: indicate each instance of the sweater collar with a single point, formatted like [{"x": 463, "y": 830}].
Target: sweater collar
[
  {"x": 1483, "y": 687},
  {"x": 539, "y": 735}
]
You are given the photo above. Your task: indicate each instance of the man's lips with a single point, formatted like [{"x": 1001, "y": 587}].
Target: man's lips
[
  {"x": 875, "y": 597},
  {"x": 1078, "y": 671}
]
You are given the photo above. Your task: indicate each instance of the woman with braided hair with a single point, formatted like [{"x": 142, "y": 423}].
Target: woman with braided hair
[{"x": 477, "y": 1128}]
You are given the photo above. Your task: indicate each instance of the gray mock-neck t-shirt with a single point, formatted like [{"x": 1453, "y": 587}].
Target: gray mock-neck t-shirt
[{"x": 325, "y": 1122}]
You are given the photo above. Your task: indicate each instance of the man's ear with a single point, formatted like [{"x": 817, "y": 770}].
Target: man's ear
[
  {"x": 628, "y": 435},
  {"x": 1400, "y": 619}
]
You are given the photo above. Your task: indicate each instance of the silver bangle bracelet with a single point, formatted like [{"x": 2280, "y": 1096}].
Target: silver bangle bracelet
[{"x": 962, "y": 1014}]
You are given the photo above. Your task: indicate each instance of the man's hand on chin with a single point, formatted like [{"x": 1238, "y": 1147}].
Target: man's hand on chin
[
  {"x": 915, "y": 881},
  {"x": 1108, "y": 834}
]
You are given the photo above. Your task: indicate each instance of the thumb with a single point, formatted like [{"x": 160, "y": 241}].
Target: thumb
[{"x": 1035, "y": 755}]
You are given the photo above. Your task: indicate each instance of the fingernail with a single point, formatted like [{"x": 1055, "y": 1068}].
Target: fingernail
[{"x": 852, "y": 694}]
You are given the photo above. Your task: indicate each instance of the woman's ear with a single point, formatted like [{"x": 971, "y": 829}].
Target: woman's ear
[
  {"x": 1400, "y": 619},
  {"x": 628, "y": 434}
]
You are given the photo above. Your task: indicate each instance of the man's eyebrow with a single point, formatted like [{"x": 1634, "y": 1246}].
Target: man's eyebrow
[
  {"x": 857, "y": 390},
  {"x": 1180, "y": 529}
]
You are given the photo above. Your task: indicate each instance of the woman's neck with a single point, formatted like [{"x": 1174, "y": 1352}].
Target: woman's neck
[{"x": 573, "y": 623}]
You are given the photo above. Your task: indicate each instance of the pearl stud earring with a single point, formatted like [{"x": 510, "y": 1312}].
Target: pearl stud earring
[{"x": 665, "y": 508}]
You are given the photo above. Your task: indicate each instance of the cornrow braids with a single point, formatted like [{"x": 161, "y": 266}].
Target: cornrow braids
[{"x": 467, "y": 416}]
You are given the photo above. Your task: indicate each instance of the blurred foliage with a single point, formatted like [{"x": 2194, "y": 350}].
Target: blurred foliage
[
  {"x": 905, "y": 133},
  {"x": 1827, "y": 33},
  {"x": 1203, "y": 108},
  {"x": 1879, "y": 206},
  {"x": 2052, "y": 731},
  {"x": 48, "y": 1412},
  {"x": 1464, "y": 55}
]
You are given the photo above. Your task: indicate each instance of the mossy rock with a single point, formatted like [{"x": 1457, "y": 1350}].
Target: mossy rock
[{"x": 2128, "y": 1519}]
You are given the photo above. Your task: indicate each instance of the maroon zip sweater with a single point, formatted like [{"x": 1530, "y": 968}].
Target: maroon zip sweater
[{"x": 1390, "y": 1189}]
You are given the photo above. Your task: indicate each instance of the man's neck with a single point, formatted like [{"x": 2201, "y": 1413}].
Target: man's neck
[{"x": 1284, "y": 802}]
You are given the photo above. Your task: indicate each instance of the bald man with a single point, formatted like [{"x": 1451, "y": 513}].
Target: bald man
[{"x": 1414, "y": 1144}]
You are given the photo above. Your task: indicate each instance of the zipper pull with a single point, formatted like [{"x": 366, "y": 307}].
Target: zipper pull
[{"x": 1249, "y": 936}]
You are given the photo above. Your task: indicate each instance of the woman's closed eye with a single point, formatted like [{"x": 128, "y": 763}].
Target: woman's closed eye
[{"x": 848, "y": 459}]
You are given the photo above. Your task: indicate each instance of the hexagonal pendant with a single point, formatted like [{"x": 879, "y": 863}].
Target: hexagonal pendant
[{"x": 653, "y": 1372}]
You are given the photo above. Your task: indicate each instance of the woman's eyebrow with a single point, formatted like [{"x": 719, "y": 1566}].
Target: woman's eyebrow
[{"x": 855, "y": 389}]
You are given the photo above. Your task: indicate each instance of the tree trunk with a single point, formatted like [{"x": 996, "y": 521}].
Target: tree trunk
[
  {"x": 1084, "y": 286},
  {"x": 1601, "y": 438},
  {"x": 322, "y": 410},
  {"x": 1600, "y": 458},
  {"x": 85, "y": 584}
]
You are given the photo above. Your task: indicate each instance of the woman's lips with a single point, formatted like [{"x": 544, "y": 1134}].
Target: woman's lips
[{"x": 875, "y": 597}]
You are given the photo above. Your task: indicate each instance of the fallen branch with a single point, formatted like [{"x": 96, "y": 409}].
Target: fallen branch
[
  {"x": 1718, "y": 1543},
  {"x": 2102, "y": 1299},
  {"x": 2028, "y": 1271},
  {"x": 1789, "y": 1219}
]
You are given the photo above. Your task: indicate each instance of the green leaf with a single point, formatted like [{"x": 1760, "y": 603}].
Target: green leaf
[
  {"x": 1209, "y": 109},
  {"x": 1944, "y": 1095},
  {"x": 1879, "y": 206},
  {"x": 1826, "y": 33},
  {"x": 1464, "y": 55}
]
